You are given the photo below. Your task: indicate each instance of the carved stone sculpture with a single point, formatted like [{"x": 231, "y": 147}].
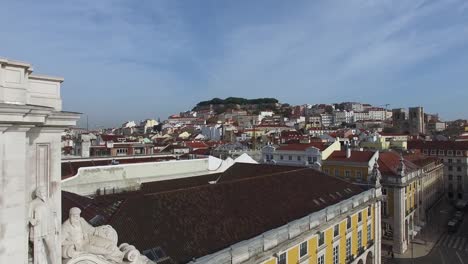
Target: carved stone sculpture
[
  {"x": 43, "y": 229},
  {"x": 85, "y": 244},
  {"x": 376, "y": 175}
]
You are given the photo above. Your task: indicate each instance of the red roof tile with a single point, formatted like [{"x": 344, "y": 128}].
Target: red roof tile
[
  {"x": 389, "y": 163},
  {"x": 421, "y": 160},
  {"x": 197, "y": 221},
  {"x": 196, "y": 144},
  {"x": 356, "y": 156},
  {"x": 302, "y": 147},
  {"x": 444, "y": 145}
]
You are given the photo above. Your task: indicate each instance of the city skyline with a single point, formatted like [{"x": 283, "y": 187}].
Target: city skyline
[{"x": 129, "y": 62}]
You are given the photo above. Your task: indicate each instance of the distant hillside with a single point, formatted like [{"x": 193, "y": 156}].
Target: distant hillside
[
  {"x": 238, "y": 101},
  {"x": 252, "y": 105}
]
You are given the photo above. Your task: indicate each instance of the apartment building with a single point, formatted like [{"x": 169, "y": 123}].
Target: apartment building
[
  {"x": 300, "y": 154},
  {"x": 409, "y": 190},
  {"x": 454, "y": 155}
]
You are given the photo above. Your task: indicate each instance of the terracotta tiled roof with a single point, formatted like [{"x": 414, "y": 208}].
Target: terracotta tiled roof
[
  {"x": 302, "y": 147},
  {"x": 193, "y": 222},
  {"x": 170, "y": 185},
  {"x": 421, "y": 160},
  {"x": 392, "y": 134},
  {"x": 114, "y": 138},
  {"x": 444, "y": 145},
  {"x": 356, "y": 156},
  {"x": 247, "y": 170},
  {"x": 389, "y": 163},
  {"x": 196, "y": 144}
]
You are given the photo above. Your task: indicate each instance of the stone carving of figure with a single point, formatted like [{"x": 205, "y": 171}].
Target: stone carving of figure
[
  {"x": 376, "y": 175},
  {"x": 43, "y": 229},
  {"x": 83, "y": 242},
  {"x": 79, "y": 237}
]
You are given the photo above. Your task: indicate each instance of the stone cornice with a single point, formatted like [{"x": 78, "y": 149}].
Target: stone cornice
[
  {"x": 15, "y": 63},
  {"x": 45, "y": 78},
  {"x": 36, "y": 115}
]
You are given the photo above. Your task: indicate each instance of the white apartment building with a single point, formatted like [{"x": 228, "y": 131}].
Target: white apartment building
[
  {"x": 343, "y": 117},
  {"x": 302, "y": 155},
  {"x": 454, "y": 155},
  {"x": 327, "y": 120}
]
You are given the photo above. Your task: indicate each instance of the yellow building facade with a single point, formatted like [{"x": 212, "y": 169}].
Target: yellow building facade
[
  {"x": 343, "y": 241},
  {"x": 403, "y": 183}
]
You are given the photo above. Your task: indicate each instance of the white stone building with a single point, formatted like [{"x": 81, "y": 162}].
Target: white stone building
[
  {"x": 30, "y": 140},
  {"x": 343, "y": 117},
  {"x": 212, "y": 132}
]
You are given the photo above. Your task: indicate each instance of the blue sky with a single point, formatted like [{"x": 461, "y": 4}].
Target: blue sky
[{"x": 130, "y": 60}]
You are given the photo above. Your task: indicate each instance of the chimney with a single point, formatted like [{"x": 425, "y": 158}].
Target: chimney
[{"x": 348, "y": 151}]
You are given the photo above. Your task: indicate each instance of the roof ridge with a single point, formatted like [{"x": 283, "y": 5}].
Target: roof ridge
[{"x": 225, "y": 183}]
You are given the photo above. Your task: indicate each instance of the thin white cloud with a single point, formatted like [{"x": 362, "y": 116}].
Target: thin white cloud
[{"x": 158, "y": 56}]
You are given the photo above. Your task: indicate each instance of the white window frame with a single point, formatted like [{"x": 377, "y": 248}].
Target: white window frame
[
  {"x": 306, "y": 249},
  {"x": 321, "y": 258},
  {"x": 285, "y": 254},
  {"x": 337, "y": 226},
  {"x": 321, "y": 233},
  {"x": 359, "y": 239},
  {"x": 349, "y": 250},
  {"x": 350, "y": 221},
  {"x": 369, "y": 233},
  {"x": 336, "y": 257}
]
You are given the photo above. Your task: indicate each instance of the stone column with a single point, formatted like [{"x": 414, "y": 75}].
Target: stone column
[
  {"x": 399, "y": 214},
  {"x": 14, "y": 200},
  {"x": 378, "y": 233}
]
